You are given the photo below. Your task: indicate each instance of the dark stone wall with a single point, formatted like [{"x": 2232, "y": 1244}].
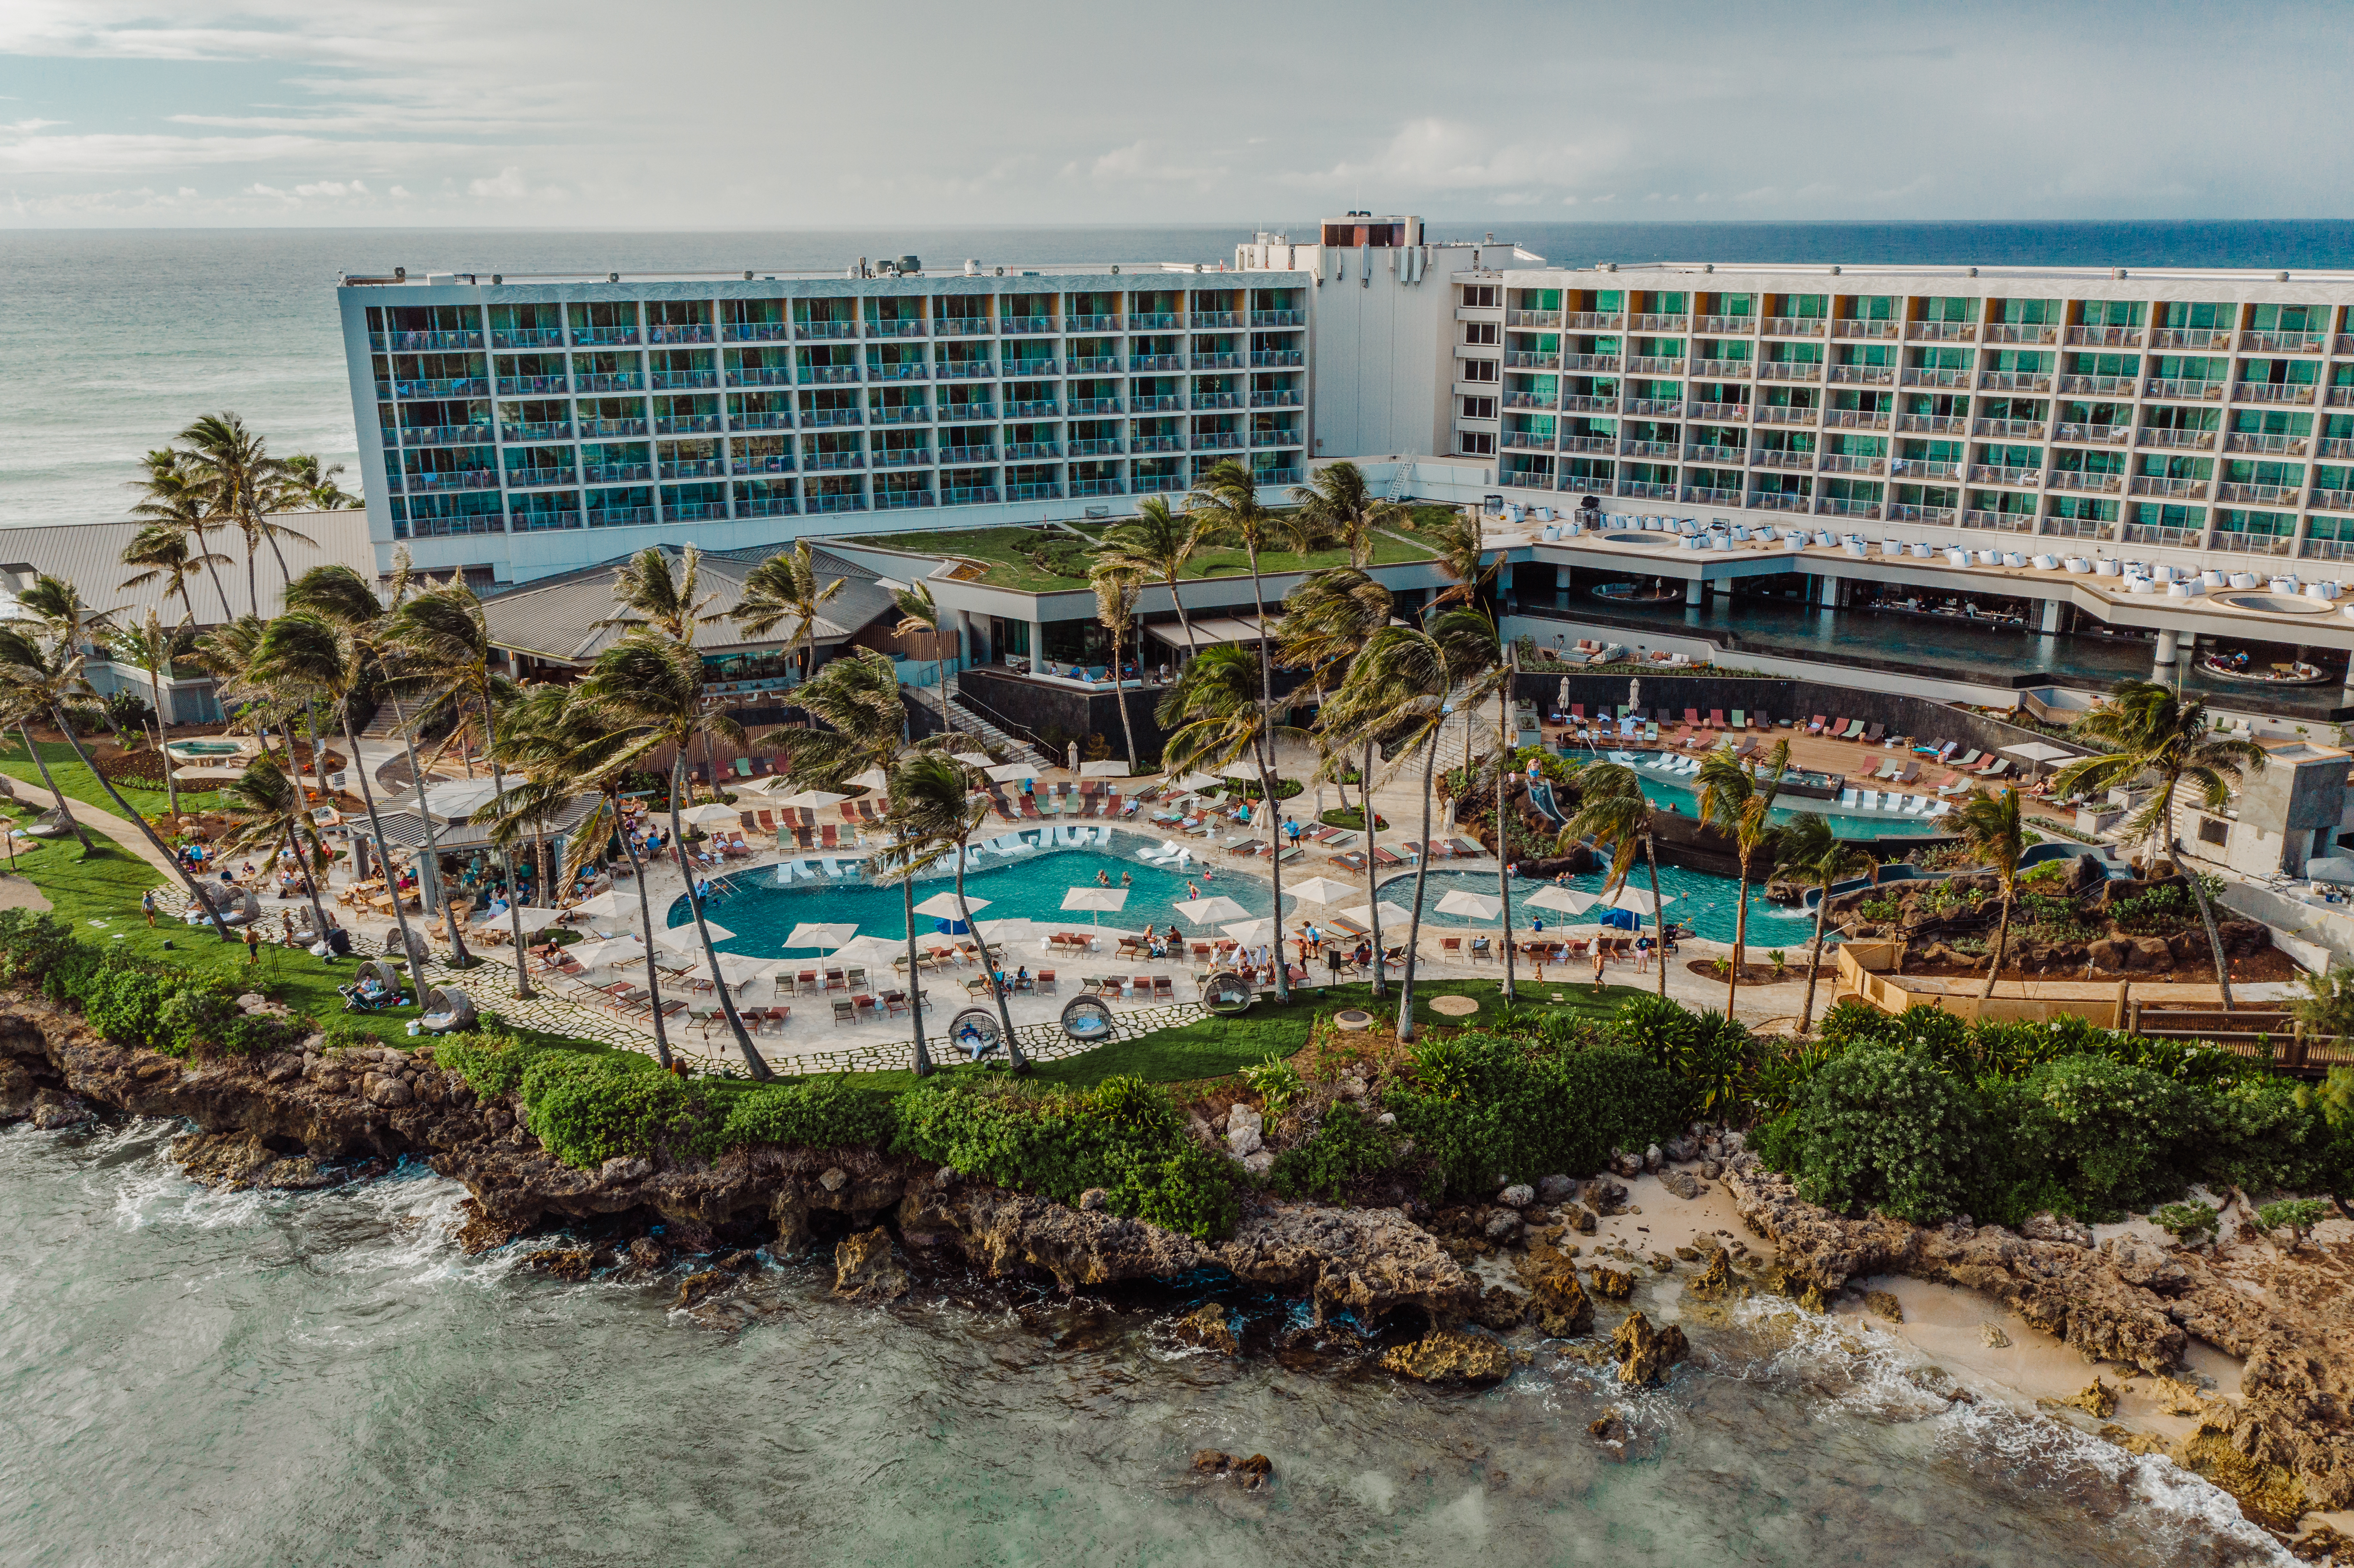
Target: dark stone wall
[{"x": 1036, "y": 705}]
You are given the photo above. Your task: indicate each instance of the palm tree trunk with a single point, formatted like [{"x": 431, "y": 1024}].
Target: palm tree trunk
[
  {"x": 252, "y": 579},
  {"x": 1740, "y": 931},
  {"x": 1503, "y": 831},
  {"x": 310, "y": 883},
  {"x": 1274, "y": 861},
  {"x": 163, "y": 737},
  {"x": 1414, "y": 922},
  {"x": 645, "y": 918},
  {"x": 1659, "y": 921},
  {"x": 212, "y": 569},
  {"x": 410, "y": 945},
  {"x": 458, "y": 952},
  {"x": 752, "y": 1059},
  {"x": 1179, "y": 605},
  {"x": 82, "y": 835},
  {"x": 1994, "y": 956},
  {"x": 1373, "y": 872},
  {"x": 2207, "y": 919},
  {"x": 318, "y": 757},
  {"x": 1119, "y": 696},
  {"x": 506, "y": 856},
  {"x": 1815, "y": 959},
  {"x": 915, "y": 990},
  {"x": 1014, "y": 1055},
  {"x": 123, "y": 806}
]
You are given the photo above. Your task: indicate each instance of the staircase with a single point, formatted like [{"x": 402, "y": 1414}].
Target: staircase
[
  {"x": 962, "y": 717},
  {"x": 383, "y": 726},
  {"x": 1401, "y": 482}
]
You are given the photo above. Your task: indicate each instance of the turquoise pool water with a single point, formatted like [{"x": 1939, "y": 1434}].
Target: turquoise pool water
[
  {"x": 762, "y": 914},
  {"x": 1661, "y": 789}
]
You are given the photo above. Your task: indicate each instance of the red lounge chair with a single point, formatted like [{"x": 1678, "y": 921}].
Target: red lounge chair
[
  {"x": 1029, "y": 806},
  {"x": 1692, "y": 718},
  {"x": 1351, "y": 861},
  {"x": 829, "y": 836},
  {"x": 1385, "y": 858},
  {"x": 1717, "y": 718},
  {"x": 1815, "y": 727},
  {"x": 1837, "y": 728}
]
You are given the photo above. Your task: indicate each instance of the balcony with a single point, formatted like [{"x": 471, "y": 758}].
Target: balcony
[
  {"x": 444, "y": 386},
  {"x": 2080, "y": 480},
  {"x": 2189, "y": 390},
  {"x": 782, "y": 463},
  {"x": 686, "y": 424},
  {"x": 1862, "y": 329},
  {"x": 1289, "y": 400},
  {"x": 1013, "y": 326},
  {"x": 621, "y": 381},
  {"x": 605, "y": 337},
  {"x": 2190, "y": 337},
  {"x": 1579, "y": 405},
  {"x": 525, "y": 430},
  {"x": 2022, "y": 332},
  {"x": 762, "y": 419},
  {"x": 1722, "y": 457},
  {"x": 902, "y": 327},
  {"x": 1769, "y": 414},
  {"x": 1527, "y": 440},
  {"x": 852, "y": 502},
  {"x": 2237, "y": 543},
  {"x": 1217, "y": 401},
  {"x": 766, "y": 506},
  {"x": 1723, "y": 413},
  {"x": 813, "y": 332},
  {"x": 1789, "y": 370},
  {"x": 1656, "y": 407},
  {"x": 1864, "y": 375},
  {"x": 1792, "y": 326},
  {"x": 1595, "y": 321},
  {"x": 1989, "y": 473},
  {"x": 2333, "y": 501},
  {"x": 2273, "y": 392},
  {"x": 1854, "y": 420},
  {"x": 756, "y": 332},
  {"x": 1217, "y": 441},
  {"x": 617, "y": 473},
  {"x": 1604, "y": 362},
  {"x": 693, "y": 332},
  {"x": 1095, "y": 449},
  {"x": 1511, "y": 318},
  {"x": 2026, "y": 430},
  {"x": 1031, "y": 408},
  {"x": 2286, "y": 446},
  {"x": 1777, "y": 501},
  {"x": 1156, "y": 405},
  {"x": 1098, "y": 487},
  {"x": 1032, "y": 451},
  {"x": 683, "y": 380},
  {"x": 1667, "y": 450},
  {"x": 2000, "y": 522},
  {"x": 1157, "y": 444},
  {"x": 1931, "y": 424},
  {"x": 468, "y": 435},
  {"x": 1203, "y": 319},
  {"x": 1234, "y": 361},
  {"x": 1868, "y": 509},
  {"x": 1299, "y": 318},
  {"x": 2326, "y": 549},
  {"x": 1528, "y": 361},
  {"x": 1843, "y": 462},
  {"x": 905, "y": 414},
  {"x": 1154, "y": 321},
  {"x": 2186, "y": 489},
  {"x": 528, "y": 337},
  {"x": 2341, "y": 397},
  {"x": 1156, "y": 361},
  {"x": 1607, "y": 445},
  {"x": 904, "y": 370},
  {"x": 960, "y": 326},
  {"x": 2015, "y": 381},
  {"x": 1774, "y": 457},
  {"x": 455, "y": 479},
  {"x": 828, "y": 375},
  {"x": 1925, "y": 468},
  {"x": 970, "y": 495},
  {"x": 965, "y": 457},
  {"x": 1634, "y": 490},
  {"x": 904, "y": 457},
  {"x": 2334, "y": 447},
  {"x": 1694, "y": 495},
  {"x": 2098, "y": 435},
  {"x": 964, "y": 369},
  {"x": 425, "y": 342},
  {"x": 1722, "y": 369},
  {"x": 2197, "y": 440},
  {"x": 1156, "y": 483},
  {"x": 1033, "y": 492},
  {"x": 2104, "y": 336},
  {"x": 694, "y": 468},
  {"x": 591, "y": 429},
  {"x": 1941, "y": 332},
  {"x": 1095, "y": 405},
  {"x": 2280, "y": 342},
  {"x": 1090, "y": 324},
  {"x": 1644, "y": 322},
  {"x": 2264, "y": 494},
  {"x": 1917, "y": 376},
  {"x": 1724, "y": 326},
  {"x": 760, "y": 375},
  {"x": 620, "y": 517},
  {"x": 836, "y": 462},
  {"x": 1094, "y": 364},
  {"x": 1276, "y": 359},
  {"x": 1937, "y": 516},
  {"x": 1267, "y": 476},
  {"x": 2077, "y": 527},
  {"x": 818, "y": 417}
]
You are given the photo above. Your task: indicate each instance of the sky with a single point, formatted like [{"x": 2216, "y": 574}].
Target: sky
[{"x": 752, "y": 115}]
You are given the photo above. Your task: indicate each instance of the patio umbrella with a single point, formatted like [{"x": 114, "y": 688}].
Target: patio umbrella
[
  {"x": 818, "y": 934},
  {"x": 972, "y": 758},
  {"x": 709, "y": 816},
  {"x": 1635, "y": 900},
  {"x": 1097, "y": 899},
  {"x": 1192, "y": 783},
  {"x": 1394, "y": 919},
  {"x": 1204, "y": 911},
  {"x": 1007, "y": 772},
  {"x": 813, "y": 800},
  {"x": 610, "y": 904},
  {"x": 684, "y": 939},
  {"x": 944, "y": 906},
  {"x": 1261, "y": 930},
  {"x": 612, "y": 951},
  {"x": 873, "y": 778},
  {"x": 735, "y": 969},
  {"x": 536, "y": 920},
  {"x": 1475, "y": 906},
  {"x": 874, "y": 951},
  {"x": 1107, "y": 769},
  {"x": 1247, "y": 772},
  {"x": 1568, "y": 900},
  {"x": 1322, "y": 890}
]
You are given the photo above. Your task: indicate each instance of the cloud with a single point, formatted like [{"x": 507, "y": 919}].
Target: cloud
[
  {"x": 1151, "y": 162},
  {"x": 1438, "y": 155},
  {"x": 332, "y": 188},
  {"x": 507, "y": 186}
]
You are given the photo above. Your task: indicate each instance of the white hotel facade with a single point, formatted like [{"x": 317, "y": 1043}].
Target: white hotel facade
[{"x": 2203, "y": 420}]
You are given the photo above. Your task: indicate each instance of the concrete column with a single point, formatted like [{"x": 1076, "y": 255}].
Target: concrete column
[
  {"x": 1826, "y": 590},
  {"x": 1037, "y": 645},
  {"x": 1504, "y": 580},
  {"x": 2048, "y": 619},
  {"x": 1561, "y": 579},
  {"x": 1695, "y": 592},
  {"x": 2162, "y": 665}
]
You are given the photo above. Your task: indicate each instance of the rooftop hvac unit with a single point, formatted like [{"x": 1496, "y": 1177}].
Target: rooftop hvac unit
[{"x": 910, "y": 265}]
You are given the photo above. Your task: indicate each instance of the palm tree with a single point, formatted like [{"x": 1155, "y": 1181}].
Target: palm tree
[
  {"x": 918, "y": 611},
  {"x": 1990, "y": 826},
  {"x": 1225, "y": 506},
  {"x": 316, "y": 484},
  {"x": 1340, "y": 505},
  {"x": 938, "y": 798},
  {"x": 325, "y": 660},
  {"x": 653, "y": 687},
  {"x": 447, "y": 642},
  {"x": 785, "y": 588},
  {"x": 242, "y": 484},
  {"x": 41, "y": 670},
  {"x": 651, "y": 593},
  {"x": 858, "y": 700},
  {"x": 1327, "y": 621},
  {"x": 1116, "y": 588},
  {"x": 266, "y": 809},
  {"x": 170, "y": 553},
  {"x": 1808, "y": 852},
  {"x": 1213, "y": 719},
  {"x": 1396, "y": 693},
  {"x": 171, "y": 498},
  {"x": 1158, "y": 543},
  {"x": 2148, "y": 728},
  {"x": 155, "y": 647},
  {"x": 1729, "y": 797},
  {"x": 1612, "y": 808},
  {"x": 1463, "y": 556}
]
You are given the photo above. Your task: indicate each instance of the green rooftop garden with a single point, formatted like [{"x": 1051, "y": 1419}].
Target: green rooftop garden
[{"x": 1049, "y": 560}]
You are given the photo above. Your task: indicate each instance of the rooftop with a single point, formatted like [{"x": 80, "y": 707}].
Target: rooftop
[
  {"x": 559, "y": 618},
  {"x": 90, "y": 556}
]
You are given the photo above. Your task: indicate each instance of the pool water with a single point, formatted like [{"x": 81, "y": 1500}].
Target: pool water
[
  {"x": 762, "y": 914},
  {"x": 1696, "y": 899},
  {"x": 205, "y": 748},
  {"x": 1662, "y": 789}
]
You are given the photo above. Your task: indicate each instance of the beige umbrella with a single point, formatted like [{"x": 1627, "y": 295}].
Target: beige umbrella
[
  {"x": 820, "y": 935},
  {"x": 1568, "y": 900},
  {"x": 734, "y": 967},
  {"x": 1392, "y": 917},
  {"x": 1474, "y": 905},
  {"x": 536, "y": 919},
  {"x": 944, "y": 906},
  {"x": 1008, "y": 772},
  {"x": 1251, "y": 930},
  {"x": 686, "y": 939},
  {"x": 1206, "y": 911},
  {"x": 1322, "y": 890},
  {"x": 1106, "y": 769},
  {"x": 813, "y": 800},
  {"x": 709, "y": 816},
  {"x": 612, "y": 951},
  {"x": 610, "y": 904},
  {"x": 873, "y": 778}
]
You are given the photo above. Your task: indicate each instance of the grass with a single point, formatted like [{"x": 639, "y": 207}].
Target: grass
[
  {"x": 81, "y": 785},
  {"x": 1047, "y": 560}
]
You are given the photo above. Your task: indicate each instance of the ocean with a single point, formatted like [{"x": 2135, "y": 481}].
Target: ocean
[{"x": 111, "y": 342}]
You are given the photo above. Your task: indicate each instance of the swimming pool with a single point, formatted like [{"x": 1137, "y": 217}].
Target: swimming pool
[
  {"x": 1030, "y": 886},
  {"x": 1699, "y": 900},
  {"x": 1678, "y": 794}
]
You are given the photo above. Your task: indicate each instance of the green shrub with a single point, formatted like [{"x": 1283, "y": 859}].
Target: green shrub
[
  {"x": 2187, "y": 1222},
  {"x": 31, "y": 945},
  {"x": 1276, "y": 1082},
  {"x": 1345, "y": 1147},
  {"x": 125, "y": 1001},
  {"x": 1879, "y": 1128},
  {"x": 492, "y": 1063},
  {"x": 1707, "y": 1051},
  {"x": 1483, "y": 1105},
  {"x": 2107, "y": 1135},
  {"x": 588, "y": 1108},
  {"x": 830, "y": 1114},
  {"x": 2298, "y": 1214}
]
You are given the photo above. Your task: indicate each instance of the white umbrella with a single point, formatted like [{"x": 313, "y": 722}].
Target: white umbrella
[
  {"x": 813, "y": 800},
  {"x": 686, "y": 938},
  {"x": 1394, "y": 919},
  {"x": 1193, "y": 782},
  {"x": 735, "y": 969},
  {"x": 873, "y": 778},
  {"x": 1107, "y": 769},
  {"x": 972, "y": 758},
  {"x": 872, "y": 950},
  {"x": 1475, "y": 906},
  {"x": 1566, "y": 899},
  {"x": 1099, "y": 898},
  {"x": 820, "y": 935},
  {"x": 1251, "y": 930},
  {"x": 1635, "y": 900},
  {"x": 943, "y": 906},
  {"x": 707, "y": 816},
  {"x": 612, "y": 951},
  {"x": 1013, "y": 928},
  {"x": 536, "y": 920},
  {"x": 1322, "y": 890},
  {"x": 1246, "y": 771},
  {"x": 1007, "y": 772},
  {"x": 610, "y": 904},
  {"x": 1203, "y": 911}
]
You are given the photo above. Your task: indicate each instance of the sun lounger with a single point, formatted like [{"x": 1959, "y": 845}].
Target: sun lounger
[
  {"x": 1996, "y": 770},
  {"x": 1352, "y": 860},
  {"x": 1717, "y": 718},
  {"x": 1948, "y": 749},
  {"x": 1384, "y": 857},
  {"x": 1872, "y": 736},
  {"x": 1745, "y": 747},
  {"x": 1908, "y": 773},
  {"x": 1969, "y": 757},
  {"x": 1855, "y": 730},
  {"x": 1465, "y": 847}
]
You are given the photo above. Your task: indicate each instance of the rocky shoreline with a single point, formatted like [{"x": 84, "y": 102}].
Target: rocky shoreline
[{"x": 1410, "y": 1275}]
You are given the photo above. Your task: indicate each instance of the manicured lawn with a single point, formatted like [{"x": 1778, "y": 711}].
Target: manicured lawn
[
  {"x": 1038, "y": 560},
  {"x": 81, "y": 785}
]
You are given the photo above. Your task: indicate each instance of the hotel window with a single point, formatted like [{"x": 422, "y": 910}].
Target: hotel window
[
  {"x": 1484, "y": 333},
  {"x": 1476, "y": 443},
  {"x": 2214, "y": 830},
  {"x": 1480, "y": 370},
  {"x": 1481, "y": 296},
  {"x": 1478, "y": 407}
]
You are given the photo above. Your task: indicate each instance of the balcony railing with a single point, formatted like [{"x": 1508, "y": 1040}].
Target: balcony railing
[
  {"x": 766, "y": 506},
  {"x": 1511, "y": 318},
  {"x": 1851, "y": 328},
  {"x": 694, "y": 468},
  {"x": 2144, "y": 484},
  {"x": 1095, "y": 405},
  {"x": 1659, "y": 407},
  {"x": 2190, "y": 337},
  {"x": 2237, "y": 543},
  {"x": 809, "y": 331},
  {"x": 836, "y": 460},
  {"x": 1648, "y": 448},
  {"x": 1733, "y": 326},
  {"x": 757, "y": 332},
  {"x": 2104, "y": 435},
  {"x": 1097, "y": 487},
  {"x": 1280, "y": 400},
  {"x": 455, "y": 479},
  {"x": 1156, "y": 405},
  {"x": 1203, "y": 319},
  {"x": 1925, "y": 468},
  {"x": 964, "y": 369},
  {"x": 2334, "y": 447},
  {"x": 1032, "y": 451},
  {"x": 851, "y": 502},
  {"x": 1989, "y": 473},
  {"x": 965, "y": 457},
  {"x": 1722, "y": 369},
  {"x": 2333, "y": 501},
  {"x": 1773, "y": 457},
  {"x": 1722, "y": 457},
  {"x": 444, "y": 386},
  {"x": 904, "y": 414},
  {"x": 1941, "y": 332},
  {"x": 1275, "y": 358},
  {"x": 1154, "y": 321},
  {"x": 617, "y": 473},
  {"x": 1790, "y": 370},
  {"x": 2243, "y": 441},
  {"x": 2326, "y": 549},
  {"x": 1156, "y": 361},
  {"x": 2016, "y": 381},
  {"x": 2001, "y": 521},
  {"x": 1697, "y": 496},
  {"x": 1020, "y": 370},
  {"x": 1217, "y": 440},
  {"x": 1792, "y": 326},
  {"x": 968, "y": 495},
  {"x": 960, "y": 326},
  {"x": 1608, "y": 445},
  {"x": 2281, "y": 342},
  {"x": 470, "y": 435},
  {"x": 1639, "y": 490},
  {"x": 2104, "y": 336},
  {"x": 683, "y": 380},
  {"x": 2341, "y": 397},
  {"x": 621, "y": 381},
  {"x": 620, "y": 517},
  {"x": 1829, "y": 507},
  {"x": 1855, "y": 418},
  {"x": 1090, "y": 324},
  {"x": 1202, "y": 361},
  {"x": 1217, "y": 401},
  {"x": 1732, "y": 413},
  {"x": 1299, "y": 318},
  {"x": 528, "y": 337},
  {"x": 1156, "y": 483},
  {"x": 1519, "y": 361},
  {"x": 820, "y": 417},
  {"x": 1771, "y": 413},
  {"x": 901, "y": 327},
  {"x": 604, "y": 338},
  {"x": 1030, "y": 408},
  {"x": 2273, "y": 392},
  {"x": 523, "y": 430},
  {"x": 590, "y": 430},
  {"x": 2265, "y": 494},
  {"x": 828, "y": 375},
  {"x": 1033, "y": 492},
  {"x": 1582, "y": 405},
  {"x": 1851, "y": 462},
  {"x": 1092, "y": 364},
  {"x": 2198, "y": 441},
  {"x": 1015, "y": 325},
  {"x": 1939, "y": 516},
  {"x": 904, "y": 457},
  {"x": 782, "y": 463},
  {"x": 1914, "y": 375},
  {"x": 698, "y": 331},
  {"x": 760, "y": 375},
  {"x": 1597, "y": 320},
  {"x": 1932, "y": 424},
  {"x": 1655, "y": 365},
  {"x": 425, "y": 342},
  {"x": 1095, "y": 449},
  {"x": 1590, "y": 362},
  {"x": 2020, "y": 332},
  {"x": 2168, "y": 388},
  {"x": 2078, "y": 527},
  {"x": 1779, "y": 501},
  {"x": 2030, "y": 429},
  {"x": 2078, "y": 479},
  {"x": 1641, "y": 322},
  {"x": 904, "y": 370},
  {"x": 1864, "y": 375},
  {"x": 1526, "y": 440},
  {"x": 686, "y": 423}
]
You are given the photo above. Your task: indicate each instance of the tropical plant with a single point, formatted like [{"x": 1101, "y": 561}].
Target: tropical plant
[
  {"x": 935, "y": 807},
  {"x": 1990, "y": 826},
  {"x": 1340, "y": 505},
  {"x": 242, "y": 484},
  {"x": 1225, "y": 506},
  {"x": 1157, "y": 544},
  {"x": 1611, "y": 810},
  {"x": 1328, "y": 621},
  {"x": 153, "y": 648},
  {"x": 172, "y": 503},
  {"x": 918, "y": 611},
  {"x": 315, "y": 483},
  {"x": 1729, "y": 797},
  {"x": 2326, "y": 1008},
  {"x": 2148, "y": 728},
  {"x": 1116, "y": 588},
  {"x": 170, "y": 554},
  {"x": 785, "y": 588},
  {"x": 1808, "y": 852},
  {"x": 266, "y": 809},
  {"x": 1462, "y": 555}
]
